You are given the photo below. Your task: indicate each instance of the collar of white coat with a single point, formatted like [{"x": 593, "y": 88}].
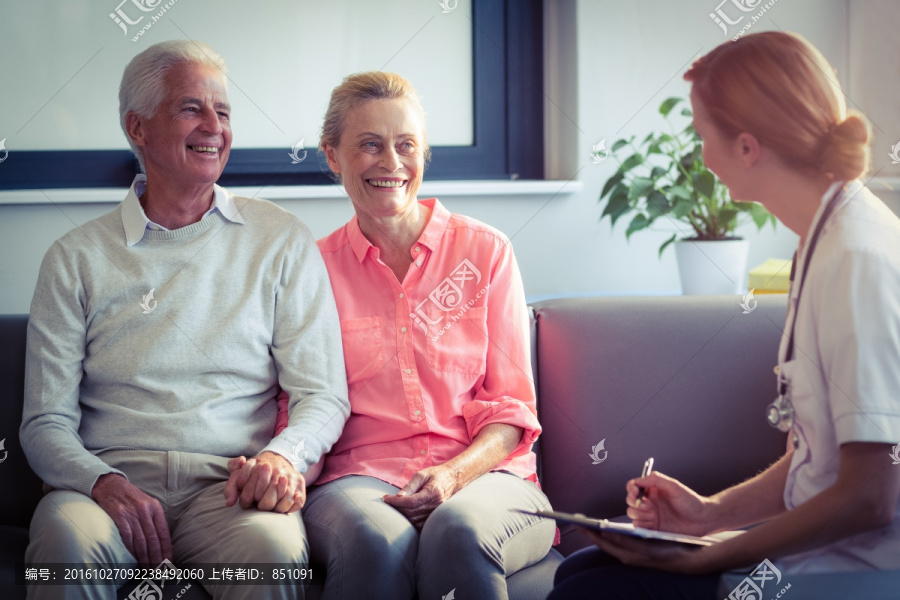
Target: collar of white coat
[
  {"x": 851, "y": 189},
  {"x": 135, "y": 220}
]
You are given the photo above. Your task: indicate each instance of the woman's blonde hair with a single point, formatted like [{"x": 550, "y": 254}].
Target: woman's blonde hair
[
  {"x": 359, "y": 88},
  {"x": 778, "y": 87}
]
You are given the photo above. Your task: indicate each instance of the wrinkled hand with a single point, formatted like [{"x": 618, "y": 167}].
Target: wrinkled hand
[
  {"x": 427, "y": 490},
  {"x": 635, "y": 552},
  {"x": 268, "y": 480},
  {"x": 138, "y": 517},
  {"x": 667, "y": 505}
]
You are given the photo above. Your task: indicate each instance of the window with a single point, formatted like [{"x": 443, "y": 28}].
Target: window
[{"x": 507, "y": 133}]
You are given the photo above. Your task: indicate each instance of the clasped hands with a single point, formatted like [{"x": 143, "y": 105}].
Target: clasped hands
[
  {"x": 267, "y": 481},
  {"x": 427, "y": 490}
]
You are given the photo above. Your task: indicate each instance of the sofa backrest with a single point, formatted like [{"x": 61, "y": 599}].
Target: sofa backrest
[
  {"x": 685, "y": 380},
  {"x": 20, "y": 489}
]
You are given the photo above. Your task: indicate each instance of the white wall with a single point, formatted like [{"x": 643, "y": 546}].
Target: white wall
[
  {"x": 284, "y": 57},
  {"x": 630, "y": 55}
]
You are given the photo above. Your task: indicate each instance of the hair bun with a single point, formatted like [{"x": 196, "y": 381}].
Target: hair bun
[
  {"x": 853, "y": 129},
  {"x": 845, "y": 149}
]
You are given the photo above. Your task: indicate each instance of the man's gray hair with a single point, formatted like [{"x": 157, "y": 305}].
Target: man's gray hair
[{"x": 143, "y": 82}]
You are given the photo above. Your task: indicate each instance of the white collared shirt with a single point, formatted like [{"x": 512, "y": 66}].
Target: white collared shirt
[
  {"x": 844, "y": 379},
  {"x": 135, "y": 220}
]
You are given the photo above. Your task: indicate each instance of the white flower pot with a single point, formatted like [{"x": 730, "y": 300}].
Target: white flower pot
[{"x": 716, "y": 267}]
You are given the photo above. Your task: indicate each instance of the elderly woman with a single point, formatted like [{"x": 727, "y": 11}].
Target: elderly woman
[
  {"x": 776, "y": 131},
  {"x": 419, "y": 492}
]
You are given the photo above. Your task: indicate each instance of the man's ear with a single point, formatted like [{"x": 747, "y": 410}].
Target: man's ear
[
  {"x": 330, "y": 157},
  {"x": 748, "y": 148},
  {"x": 135, "y": 126}
]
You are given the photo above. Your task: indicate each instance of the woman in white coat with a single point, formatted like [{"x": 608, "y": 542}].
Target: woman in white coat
[{"x": 775, "y": 130}]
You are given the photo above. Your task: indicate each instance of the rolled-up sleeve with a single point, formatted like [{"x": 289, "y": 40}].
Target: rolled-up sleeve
[{"x": 506, "y": 394}]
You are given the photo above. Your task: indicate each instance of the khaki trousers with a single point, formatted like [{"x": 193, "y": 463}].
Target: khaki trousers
[{"x": 69, "y": 527}]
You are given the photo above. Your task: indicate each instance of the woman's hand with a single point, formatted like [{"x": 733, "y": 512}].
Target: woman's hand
[
  {"x": 672, "y": 557},
  {"x": 667, "y": 505},
  {"x": 427, "y": 490},
  {"x": 432, "y": 486}
]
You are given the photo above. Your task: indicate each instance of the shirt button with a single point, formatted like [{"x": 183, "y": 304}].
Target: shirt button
[
  {"x": 408, "y": 371},
  {"x": 418, "y": 412},
  {"x": 417, "y": 248},
  {"x": 419, "y": 263},
  {"x": 403, "y": 330},
  {"x": 401, "y": 295},
  {"x": 422, "y": 452}
]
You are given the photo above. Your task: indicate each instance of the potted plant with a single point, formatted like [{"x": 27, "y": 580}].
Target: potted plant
[{"x": 664, "y": 178}]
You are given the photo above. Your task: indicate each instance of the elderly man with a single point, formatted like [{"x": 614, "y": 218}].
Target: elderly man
[{"x": 159, "y": 336}]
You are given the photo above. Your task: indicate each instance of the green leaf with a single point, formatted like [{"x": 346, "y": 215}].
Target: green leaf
[
  {"x": 619, "y": 193},
  {"x": 618, "y": 204},
  {"x": 621, "y": 211},
  {"x": 681, "y": 208},
  {"x": 677, "y": 191},
  {"x": 640, "y": 187},
  {"x": 657, "y": 172},
  {"x": 657, "y": 205},
  {"x": 759, "y": 214},
  {"x": 637, "y": 223},
  {"x": 649, "y": 138},
  {"x": 619, "y": 145},
  {"x": 666, "y": 244},
  {"x": 610, "y": 184},
  {"x": 630, "y": 163},
  {"x": 704, "y": 183},
  {"x": 668, "y": 104},
  {"x": 697, "y": 157},
  {"x": 686, "y": 112},
  {"x": 726, "y": 218}
]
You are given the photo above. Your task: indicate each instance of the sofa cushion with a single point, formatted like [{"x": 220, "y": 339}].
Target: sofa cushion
[
  {"x": 22, "y": 488},
  {"x": 13, "y": 541},
  {"x": 685, "y": 380}
]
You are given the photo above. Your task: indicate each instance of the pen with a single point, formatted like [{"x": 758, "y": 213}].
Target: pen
[{"x": 648, "y": 468}]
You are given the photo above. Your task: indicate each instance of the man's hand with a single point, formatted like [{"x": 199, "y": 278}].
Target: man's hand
[
  {"x": 138, "y": 517},
  {"x": 268, "y": 480},
  {"x": 427, "y": 490}
]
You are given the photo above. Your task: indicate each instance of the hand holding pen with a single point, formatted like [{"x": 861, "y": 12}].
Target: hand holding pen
[
  {"x": 648, "y": 468},
  {"x": 656, "y": 501}
]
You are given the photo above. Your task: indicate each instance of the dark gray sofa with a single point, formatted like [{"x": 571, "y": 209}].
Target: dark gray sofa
[{"x": 683, "y": 379}]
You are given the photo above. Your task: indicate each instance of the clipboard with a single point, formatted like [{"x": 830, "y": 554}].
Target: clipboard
[{"x": 629, "y": 529}]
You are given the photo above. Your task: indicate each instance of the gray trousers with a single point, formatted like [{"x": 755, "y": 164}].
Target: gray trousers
[
  {"x": 469, "y": 544},
  {"x": 69, "y": 527}
]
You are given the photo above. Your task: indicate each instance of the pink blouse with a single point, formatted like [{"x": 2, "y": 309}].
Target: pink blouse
[{"x": 432, "y": 360}]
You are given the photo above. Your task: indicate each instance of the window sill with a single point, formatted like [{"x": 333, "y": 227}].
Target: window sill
[{"x": 440, "y": 189}]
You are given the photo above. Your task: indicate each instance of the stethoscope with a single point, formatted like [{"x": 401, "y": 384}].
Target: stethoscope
[{"x": 780, "y": 413}]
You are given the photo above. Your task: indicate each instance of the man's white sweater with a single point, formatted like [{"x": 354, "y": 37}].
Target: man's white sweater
[{"x": 236, "y": 309}]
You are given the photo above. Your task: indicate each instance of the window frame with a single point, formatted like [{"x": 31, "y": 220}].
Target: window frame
[{"x": 507, "y": 63}]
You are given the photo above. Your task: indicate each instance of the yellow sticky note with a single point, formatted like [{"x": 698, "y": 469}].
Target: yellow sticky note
[{"x": 774, "y": 275}]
